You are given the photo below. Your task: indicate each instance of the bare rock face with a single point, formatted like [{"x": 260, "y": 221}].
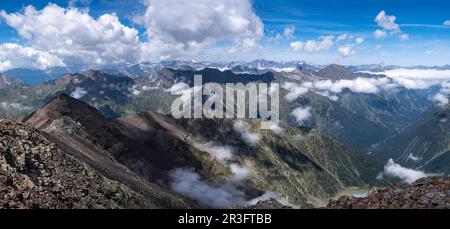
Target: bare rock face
[
  {"x": 35, "y": 173},
  {"x": 425, "y": 193}
]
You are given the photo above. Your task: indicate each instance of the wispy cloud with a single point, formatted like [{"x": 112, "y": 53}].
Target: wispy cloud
[
  {"x": 78, "y": 93},
  {"x": 212, "y": 194},
  {"x": 424, "y": 26},
  {"x": 393, "y": 169},
  {"x": 243, "y": 128},
  {"x": 221, "y": 153},
  {"x": 189, "y": 183},
  {"x": 323, "y": 43},
  {"x": 301, "y": 114}
]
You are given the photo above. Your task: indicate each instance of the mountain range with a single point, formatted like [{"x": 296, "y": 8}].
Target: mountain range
[
  {"x": 144, "y": 69},
  {"x": 116, "y": 124},
  {"x": 424, "y": 144},
  {"x": 142, "y": 152},
  {"x": 384, "y": 113}
]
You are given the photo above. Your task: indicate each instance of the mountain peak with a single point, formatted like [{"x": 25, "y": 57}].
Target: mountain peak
[
  {"x": 93, "y": 73},
  {"x": 63, "y": 96},
  {"x": 335, "y": 72},
  {"x": 8, "y": 82},
  {"x": 64, "y": 105}
]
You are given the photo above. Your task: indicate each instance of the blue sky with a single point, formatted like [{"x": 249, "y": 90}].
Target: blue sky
[{"x": 292, "y": 30}]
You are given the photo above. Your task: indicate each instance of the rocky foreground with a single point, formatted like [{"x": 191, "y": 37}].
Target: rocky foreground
[
  {"x": 425, "y": 193},
  {"x": 35, "y": 173}
]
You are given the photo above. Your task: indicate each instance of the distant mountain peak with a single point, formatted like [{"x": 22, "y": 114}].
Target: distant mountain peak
[
  {"x": 8, "y": 82},
  {"x": 335, "y": 72},
  {"x": 95, "y": 73},
  {"x": 63, "y": 105}
]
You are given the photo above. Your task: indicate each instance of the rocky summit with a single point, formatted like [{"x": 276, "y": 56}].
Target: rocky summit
[{"x": 425, "y": 193}]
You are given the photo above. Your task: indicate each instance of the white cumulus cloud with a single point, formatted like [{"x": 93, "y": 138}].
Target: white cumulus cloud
[
  {"x": 388, "y": 26},
  {"x": 379, "y": 34},
  {"x": 442, "y": 98},
  {"x": 288, "y": 32},
  {"x": 324, "y": 43},
  {"x": 294, "y": 91},
  {"x": 74, "y": 36},
  {"x": 78, "y": 93},
  {"x": 178, "y": 27},
  {"x": 247, "y": 136},
  {"x": 344, "y": 36},
  {"x": 346, "y": 50},
  {"x": 17, "y": 56},
  {"x": 387, "y": 22},
  {"x": 240, "y": 173},
  {"x": 404, "y": 37},
  {"x": 219, "y": 152},
  {"x": 321, "y": 44},
  {"x": 393, "y": 169},
  {"x": 297, "y": 45},
  {"x": 301, "y": 114},
  {"x": 359, "y": 40}
]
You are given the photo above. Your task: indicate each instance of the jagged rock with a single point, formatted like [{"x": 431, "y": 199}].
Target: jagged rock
[
  {"x": 428, "y": 192},
  {"x": 34, "y": 173}
]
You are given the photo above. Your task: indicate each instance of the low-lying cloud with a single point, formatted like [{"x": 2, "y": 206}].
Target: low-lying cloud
[
  {"x": 301, "y": 114},
  {"x": 212, "y": 194},
  {"x": 224, "y": 154},
  {"x": 416, "y": 78},
  {"x": 330, "y": 88},
  {"x": 247, "y": 136},
  {"x": 412, "y": 79},
  {"x": 392, "y": 169},
  {"x": 188, "y": 183},
  {"x": 240, "y": 173},
  {"x": 426, "y": 74},
  {"x": 14, "y": 106},
  {"x": 442, "y": 98},
  {"x": 274, "y": 127},
  {"x": 221, "y": 153},
  {"x": 294, "y": 91},
  {"x": 78, "y": 93}
]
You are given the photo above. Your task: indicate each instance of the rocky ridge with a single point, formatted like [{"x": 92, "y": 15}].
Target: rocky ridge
[
  {"x": 35, "y": 173},
  {"x": 425, "y": 193},
  {"x": 298, "y": 163}
]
